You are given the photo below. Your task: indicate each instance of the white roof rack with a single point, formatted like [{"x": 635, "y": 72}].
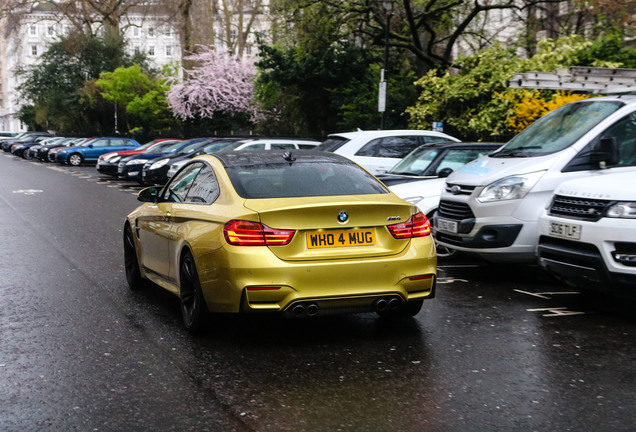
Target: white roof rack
[{"x": 579, "y": 78}]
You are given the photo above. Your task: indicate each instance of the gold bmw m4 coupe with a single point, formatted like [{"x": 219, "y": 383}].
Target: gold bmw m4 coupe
[{"x": 303, "y": 234}]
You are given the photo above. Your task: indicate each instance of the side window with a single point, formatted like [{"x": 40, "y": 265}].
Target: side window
[
  {"x": 391, "y": 147},
  {"x": 117, "y": 143},
  {"x": 100, "y": 143},
  {"x": 205, "y": 188},
  {"x": 177, "y": 189},
  {"x": 282, "y": 146},
  {"x": 455, "y": 159},
  {"x": 624, "y": 132},
  {"x": 254, "y": 147},
  {"x": 432, "y": 139}
]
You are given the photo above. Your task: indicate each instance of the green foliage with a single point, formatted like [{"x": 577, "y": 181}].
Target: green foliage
[
  {"x": 476, "y": 102},
  {"x": 54, "y": 86},
  {"x": 140, "y": 99},
  {"x": 319, "y": 92},
  {"x": 464, "y": 101}
]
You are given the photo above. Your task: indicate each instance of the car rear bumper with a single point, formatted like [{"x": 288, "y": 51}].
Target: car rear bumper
[{"x": 255, "y": 281}]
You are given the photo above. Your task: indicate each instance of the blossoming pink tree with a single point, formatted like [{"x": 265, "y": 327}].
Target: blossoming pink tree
[{"x": 219, "y": 82}]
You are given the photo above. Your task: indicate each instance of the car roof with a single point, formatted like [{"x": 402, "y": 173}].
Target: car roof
[
  {"x": 264, "y": 157},
  {"x": 381, "y": 133}
]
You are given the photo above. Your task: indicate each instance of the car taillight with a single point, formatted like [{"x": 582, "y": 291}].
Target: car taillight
[
  {"x": 247, "y": 233},
  {"x": 417, "y": 226}
]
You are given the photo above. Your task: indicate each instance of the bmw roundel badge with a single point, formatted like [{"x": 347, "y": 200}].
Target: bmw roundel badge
[{"x": 343, "y": 216}]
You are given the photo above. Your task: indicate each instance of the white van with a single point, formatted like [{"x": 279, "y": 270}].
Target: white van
[
  {"x": 491, "y": 206},
  {"x": 588, "y": 233}
]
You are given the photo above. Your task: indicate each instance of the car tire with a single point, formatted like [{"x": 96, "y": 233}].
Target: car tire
[
  {"x": 194, "y": 311},
  {"x": 131, "y": 264},
  {"x": 75, "y": 159}
]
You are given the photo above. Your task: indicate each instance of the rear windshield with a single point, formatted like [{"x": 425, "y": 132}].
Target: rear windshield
[
  {"x": 332, "y": 144},
  {"x": 303, "y": 180}
]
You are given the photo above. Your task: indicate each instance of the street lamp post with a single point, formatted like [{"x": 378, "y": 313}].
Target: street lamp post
[{"x": 388, "y": 7}]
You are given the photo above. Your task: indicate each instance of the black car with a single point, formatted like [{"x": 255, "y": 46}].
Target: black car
[
  {"x": 155, "y": 172},
  {"x": 32, "y": 152},
  {"x": 20, "y": 148},
  {"x": 8, "y": 142}
]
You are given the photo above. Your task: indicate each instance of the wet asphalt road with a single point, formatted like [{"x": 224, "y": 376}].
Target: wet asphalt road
[{"x": 501, "y": 348}]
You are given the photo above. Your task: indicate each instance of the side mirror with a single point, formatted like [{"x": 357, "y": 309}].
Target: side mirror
[
  {"x": 149, "y": 194},
  {"x": 444, "y": 172},
  {"x": 90, "y": 146},
  {"x": 606, "y": 152}
]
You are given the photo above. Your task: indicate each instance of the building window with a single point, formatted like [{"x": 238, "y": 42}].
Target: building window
[
  {"x": 34, "y": 50},
  {"x": 33, "y": 30},
  {"x": 50, "y": 30},
  {"x": 136, "y": 31},
  {"x": 168, "y": 32},
  {"x": 137, "y": 49},
  {"x": 168, "y": 50},
  {"x": 151, "y": 50},
  {"x": 151, "y": 32}
]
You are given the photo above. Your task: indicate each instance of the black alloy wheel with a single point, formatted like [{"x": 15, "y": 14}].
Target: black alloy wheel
[
  {"x": 131, "y": 264},
  {"x": 193, "y": 308}
]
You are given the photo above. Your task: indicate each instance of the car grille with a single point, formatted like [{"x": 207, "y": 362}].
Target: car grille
[
  {"x": 454, "y": 210},
  {"x": 578, "y": 208},
  {"x": 457, "y": 189}
]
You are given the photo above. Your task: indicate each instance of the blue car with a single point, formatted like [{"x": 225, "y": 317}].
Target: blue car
[{"x": 92, "y": 149}]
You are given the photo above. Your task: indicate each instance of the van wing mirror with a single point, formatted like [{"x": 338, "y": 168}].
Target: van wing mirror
[{"x": 606, "y": 152}]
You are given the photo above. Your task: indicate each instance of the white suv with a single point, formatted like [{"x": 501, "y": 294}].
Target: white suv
[
  {"x": 377, "y": 151},
  {"x": 588, "y": 233}
]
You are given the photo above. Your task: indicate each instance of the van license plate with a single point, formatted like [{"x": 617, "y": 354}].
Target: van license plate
[
  {"x": 447, "y": 225},
  {"x": 569, "y": 231},
  {"x": 329, "y": 239}
]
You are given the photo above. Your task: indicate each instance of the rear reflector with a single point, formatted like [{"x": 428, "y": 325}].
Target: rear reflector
[{"x": 416, "y": 278}]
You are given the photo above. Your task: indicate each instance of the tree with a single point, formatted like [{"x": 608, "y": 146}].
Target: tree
[
  {"x": 476, "y": 102},
  {"x": 53, "y": 86},
  {"x": 326, "y": 89},
  {"x": 139, "y": 99},
  {"x": 219, "y": 83}
]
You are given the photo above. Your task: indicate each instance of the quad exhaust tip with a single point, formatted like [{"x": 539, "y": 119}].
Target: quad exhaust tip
[
  {"x": 301, "y": 309},
  {"x": 387, "y": 304}
]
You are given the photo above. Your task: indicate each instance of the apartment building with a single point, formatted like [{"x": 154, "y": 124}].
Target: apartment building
[{"x": 36, "y": 30}]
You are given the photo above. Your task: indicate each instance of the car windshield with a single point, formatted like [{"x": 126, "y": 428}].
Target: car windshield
[
  {"x": 416, "y": 162},
  {"x": 558, "y": 129},
  {"x": 163, "y": 147},
  {"x": 332, "y": 144},
  {"x": 216, "y": 146},
  {"x": 303, "y": 180},
  {"x": 192, "y": 147}
]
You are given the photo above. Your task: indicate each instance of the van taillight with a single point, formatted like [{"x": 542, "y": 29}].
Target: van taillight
[
  {"x": 417, "y": 226},
  {"x": 248, "y": 233}
]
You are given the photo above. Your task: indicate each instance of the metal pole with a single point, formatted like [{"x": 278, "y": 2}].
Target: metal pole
[{"x": 386, "y": 60}]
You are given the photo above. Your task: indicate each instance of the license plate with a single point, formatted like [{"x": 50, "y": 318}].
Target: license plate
[
  {"x": 329, "y": 239},
  {"x": 570, "y": 231},
  {"x": 447, "y": 225}
]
